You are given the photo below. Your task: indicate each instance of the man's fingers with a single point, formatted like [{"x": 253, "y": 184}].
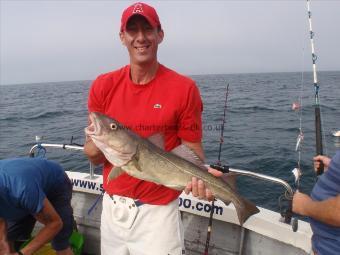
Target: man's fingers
[
  {"x": 194, "y": 187},
  {"x": 317, "y": 158},
  {"x": 188, "y": 188},
  {"x": 321, "y": 159},
  {"x": 209, "y": 195},
  {"x": 201, "y": 189},
  {"x": 198, "y": 189},
  {"x": 215, "y": 172}
]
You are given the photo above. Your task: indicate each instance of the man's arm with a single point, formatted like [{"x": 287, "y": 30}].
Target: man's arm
[
  {"x": 197, "y": 187},
  {"x": 53, "y": 224},
  {"x": 4, "y": 246},
  {"x": 196, "y": 147},
  {"x": 93, "y": 153},
  {"x": 326, "y": 211}
]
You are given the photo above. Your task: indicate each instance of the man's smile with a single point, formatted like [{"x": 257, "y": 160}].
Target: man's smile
[{"x": 142, "y": 48}]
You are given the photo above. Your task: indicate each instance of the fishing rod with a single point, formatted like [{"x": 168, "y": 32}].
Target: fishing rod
[
  {"x": 318, "y": 128},
  {"x": 288, "y": 214},
  {"x": 219, "y": 167}
]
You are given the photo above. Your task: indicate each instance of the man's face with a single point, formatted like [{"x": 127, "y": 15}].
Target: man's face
[{"x": 141, "y": 40}]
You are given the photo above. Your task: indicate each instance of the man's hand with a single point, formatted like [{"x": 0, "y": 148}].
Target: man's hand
[
  {"x": 93, "y": 153},
  {"x": 4, "y": 246},
  {"x": 325, "y": 160},
  {"x": 198, "y": 189}
]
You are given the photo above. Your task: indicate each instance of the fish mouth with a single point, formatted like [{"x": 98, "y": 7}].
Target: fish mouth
[{"x": 94, "y": 127}]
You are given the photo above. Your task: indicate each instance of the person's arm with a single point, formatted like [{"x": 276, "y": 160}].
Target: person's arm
[
  {"x": 326, "y": 211},
  {"x": 93, "y": 153},
  {"x": 196, "y": 186},
  {"x": 4, "y": 246},
  {"x": 195, "y": 147},
  {"x": 52, "y": 225}
]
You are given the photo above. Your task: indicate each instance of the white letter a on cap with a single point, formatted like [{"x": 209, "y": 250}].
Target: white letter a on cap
[{"x": 138, "y": 8}]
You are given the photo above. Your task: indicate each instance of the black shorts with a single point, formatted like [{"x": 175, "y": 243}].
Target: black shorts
[{"x": 60, "y": 198}]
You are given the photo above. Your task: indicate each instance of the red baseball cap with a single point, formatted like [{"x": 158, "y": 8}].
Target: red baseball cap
[{"x": 142, "y": 9}]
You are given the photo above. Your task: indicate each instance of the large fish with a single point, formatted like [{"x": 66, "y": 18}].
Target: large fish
[{"x": 145, "y": 159}]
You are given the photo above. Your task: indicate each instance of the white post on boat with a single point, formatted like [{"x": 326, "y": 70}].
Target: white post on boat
[
  {"x": 240, "y": 251},
  {"x": 91, "y": 176}
]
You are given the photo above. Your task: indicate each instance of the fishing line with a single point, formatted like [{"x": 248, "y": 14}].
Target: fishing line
[{"x": 297, "y": 171}]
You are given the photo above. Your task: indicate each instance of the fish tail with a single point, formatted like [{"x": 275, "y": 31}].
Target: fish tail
[{"x": 245, "y": 209}]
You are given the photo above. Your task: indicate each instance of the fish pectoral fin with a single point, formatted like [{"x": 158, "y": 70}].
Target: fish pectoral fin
[
  {"x": 158, "y": 140},
  {"x": 114, "y": 173},
  {"x": 134, "y": 163},
  {"x": 185, "y": 152}
]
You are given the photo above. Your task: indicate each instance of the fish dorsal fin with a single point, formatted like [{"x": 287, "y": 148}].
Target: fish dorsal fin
[
  {"x": 185, "y": 152},
  {"x": 157, "y": 139}
]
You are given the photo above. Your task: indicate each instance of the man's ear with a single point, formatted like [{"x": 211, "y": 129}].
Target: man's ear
[
  {"x": 122, "y": 38},
  {"x": 160, "y": 36}
]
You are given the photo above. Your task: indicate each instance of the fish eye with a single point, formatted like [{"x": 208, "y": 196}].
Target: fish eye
[{"x": 113, "y": 126}]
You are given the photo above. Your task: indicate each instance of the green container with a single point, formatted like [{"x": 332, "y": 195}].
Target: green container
[{"x": 77, "y": 242}]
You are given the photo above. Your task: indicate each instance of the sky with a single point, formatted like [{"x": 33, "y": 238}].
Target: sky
[{"x": 45, "y": 41}]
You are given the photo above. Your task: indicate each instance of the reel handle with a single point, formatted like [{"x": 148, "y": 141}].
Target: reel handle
[
  {"x": 223, "y": 168},
  {"x": 287, "y": 216}
]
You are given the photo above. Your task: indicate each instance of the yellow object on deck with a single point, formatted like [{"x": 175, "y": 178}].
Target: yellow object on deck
[{"x": 45, "y": 250}]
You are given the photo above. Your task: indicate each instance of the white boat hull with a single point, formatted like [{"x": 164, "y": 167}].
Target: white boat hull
[{"x": 263, "y": 233}]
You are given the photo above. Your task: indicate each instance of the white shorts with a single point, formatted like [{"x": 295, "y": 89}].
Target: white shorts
[{"x": 128, "y": 229}]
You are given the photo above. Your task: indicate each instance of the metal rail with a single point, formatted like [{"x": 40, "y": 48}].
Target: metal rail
[
  {"x": 232, "y": 170},
  {"x": 265, "y": 178},
  {"x": 61, "y": 146},
  {"x": 287, "y": 214},
  {"x": 65, "y": 147}
]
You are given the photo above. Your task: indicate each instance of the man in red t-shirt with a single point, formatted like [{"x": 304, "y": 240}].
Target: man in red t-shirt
[{"x": 141, "y": 217}]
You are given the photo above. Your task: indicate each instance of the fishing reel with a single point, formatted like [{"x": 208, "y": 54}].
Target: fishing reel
[
  {"x": 222, "y": 168},
  {"x": 287, "y": 213},
  {"x": 285, "y": 205}
]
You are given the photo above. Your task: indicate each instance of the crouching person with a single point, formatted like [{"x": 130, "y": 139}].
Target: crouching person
[{"x": 34, "y": 189}]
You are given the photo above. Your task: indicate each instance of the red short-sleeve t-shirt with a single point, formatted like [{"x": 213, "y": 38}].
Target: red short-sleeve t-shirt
[{"x": 169, "y": 104}]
